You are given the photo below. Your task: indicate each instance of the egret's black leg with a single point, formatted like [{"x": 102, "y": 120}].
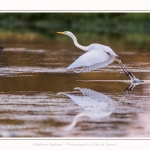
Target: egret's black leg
[{"x": 129, "y": 74}]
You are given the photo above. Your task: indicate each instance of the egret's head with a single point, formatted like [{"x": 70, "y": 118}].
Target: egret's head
[
  {"x": 67, "y": 33},
  {"x": 85, "y": 48}
]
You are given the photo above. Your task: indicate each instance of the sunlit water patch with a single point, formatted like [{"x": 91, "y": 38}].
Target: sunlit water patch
[
  {"x": 24, "y": 50},
  {"x": 13, "y": 70}
]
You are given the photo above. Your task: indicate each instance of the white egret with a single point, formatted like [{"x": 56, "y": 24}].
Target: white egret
[{"x": 96, "y": 56}]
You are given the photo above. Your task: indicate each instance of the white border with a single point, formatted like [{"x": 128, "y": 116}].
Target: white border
[
  {"x": 46, "y": 144},
  {"x": 75, "y": 5}
]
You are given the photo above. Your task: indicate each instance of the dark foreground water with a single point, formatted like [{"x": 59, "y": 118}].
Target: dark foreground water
[{"x": 39, "y": 98}]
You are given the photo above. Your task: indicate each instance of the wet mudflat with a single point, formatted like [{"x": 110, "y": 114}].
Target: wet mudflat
[{"x": 39, "y": 98}]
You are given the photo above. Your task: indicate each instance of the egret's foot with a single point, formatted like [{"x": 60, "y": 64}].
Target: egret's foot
[{"x": 135, "y": 80}]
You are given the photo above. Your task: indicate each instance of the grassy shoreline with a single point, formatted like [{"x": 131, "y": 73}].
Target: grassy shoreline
[{"x": 127, "y": 29}]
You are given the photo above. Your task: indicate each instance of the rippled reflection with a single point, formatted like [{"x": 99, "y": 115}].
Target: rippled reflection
[
  {"x": 95, "y": 105},
  {"x": 132, "y": 86}
]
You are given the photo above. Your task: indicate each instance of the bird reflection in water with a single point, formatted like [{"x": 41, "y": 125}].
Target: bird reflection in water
[
  {"x": 95, "y": 105},
  {"x": 132, "y": 86}
]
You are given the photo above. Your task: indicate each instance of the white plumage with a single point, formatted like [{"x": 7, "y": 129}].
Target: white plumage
[
  {"x": 91, "y": 60},
  {"x": 96, "y": 55}
]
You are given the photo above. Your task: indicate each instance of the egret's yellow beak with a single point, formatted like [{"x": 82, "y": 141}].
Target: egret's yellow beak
[{"x": 61, "y": 32}]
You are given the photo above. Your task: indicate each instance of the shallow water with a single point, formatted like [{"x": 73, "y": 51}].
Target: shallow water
[{"x": 39, "y": 98}]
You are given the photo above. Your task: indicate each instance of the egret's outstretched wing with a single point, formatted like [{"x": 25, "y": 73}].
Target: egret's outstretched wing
[
  {"x": 91, "y": 60},
  {"x": 96, "y": 66}
]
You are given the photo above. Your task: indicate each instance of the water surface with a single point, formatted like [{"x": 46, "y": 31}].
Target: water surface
[{"x": 39, "y": 98}]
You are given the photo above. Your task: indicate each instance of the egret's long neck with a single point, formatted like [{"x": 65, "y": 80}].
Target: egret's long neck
[{"x": 84, "y": 48}]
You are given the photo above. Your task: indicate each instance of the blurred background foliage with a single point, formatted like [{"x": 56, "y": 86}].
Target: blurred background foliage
[{"x": 132, "y": 29}]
